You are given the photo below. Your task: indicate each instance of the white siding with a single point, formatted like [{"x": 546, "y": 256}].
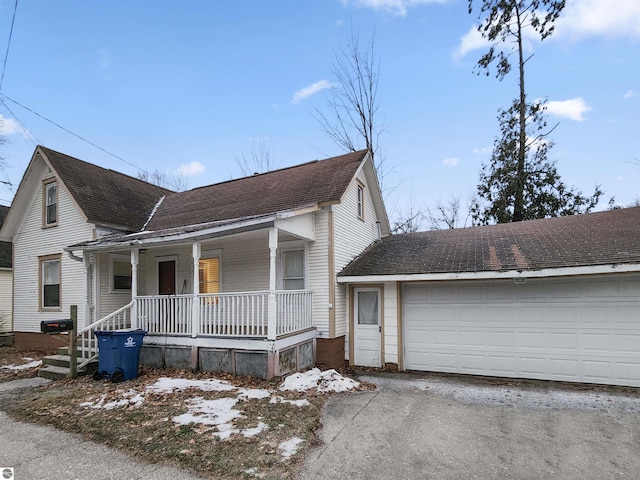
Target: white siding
[
  {"x": 390, "y": 313},
  {"x": 6, "y": 282},
  {"x": 33, "y": 241},
  {"x": 352, "y": 235},
  {"x": 318, "y": 274}
]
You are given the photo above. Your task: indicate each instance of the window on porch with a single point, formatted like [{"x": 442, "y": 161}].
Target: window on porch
[
  {"x": 293, "y": 269},
  {"x": 209, "y": 275}
]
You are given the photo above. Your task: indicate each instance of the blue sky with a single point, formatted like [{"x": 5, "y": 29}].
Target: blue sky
[{"x": 193, "y": 84}]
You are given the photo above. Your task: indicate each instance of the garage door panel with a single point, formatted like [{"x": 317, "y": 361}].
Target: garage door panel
[{"x": 568, "y": 329}]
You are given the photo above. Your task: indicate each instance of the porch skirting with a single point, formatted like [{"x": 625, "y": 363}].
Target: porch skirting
[{"x": 252, "y": 357}]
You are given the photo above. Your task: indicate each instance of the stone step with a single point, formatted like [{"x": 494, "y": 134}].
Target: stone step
[
  {"x": 65, "y": 350},
  {"x": 57, "y": 366},
  {"x": 54, "y": 373}
]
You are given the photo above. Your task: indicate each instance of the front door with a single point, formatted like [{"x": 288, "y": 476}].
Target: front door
[
  {"x": 367, "y": 327},
  {"x": 167, "y": 277}
]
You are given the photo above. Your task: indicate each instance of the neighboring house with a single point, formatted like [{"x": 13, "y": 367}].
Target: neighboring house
[
  {"x": 6, "y": 279},
  {"x": 553, "y": 299},
  {"x": 239, "y": 276}
]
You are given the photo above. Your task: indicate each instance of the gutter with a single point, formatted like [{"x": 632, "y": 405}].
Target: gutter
[{"x": 493, "y": 275}]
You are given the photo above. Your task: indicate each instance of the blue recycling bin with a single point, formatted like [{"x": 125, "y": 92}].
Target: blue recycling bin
[{"x": 118, "y": 354}]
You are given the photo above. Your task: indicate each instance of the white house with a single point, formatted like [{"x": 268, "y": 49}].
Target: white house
[
  {"x": 552, "y": 299},
  {"x": 239, "y": 276},
  {"x": 6, "y": 279}
]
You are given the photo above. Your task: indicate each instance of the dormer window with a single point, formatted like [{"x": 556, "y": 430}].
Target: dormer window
[{"x": 50, "y": 204}]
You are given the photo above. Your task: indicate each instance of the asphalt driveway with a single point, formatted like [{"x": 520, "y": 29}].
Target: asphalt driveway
[{"x": 423, "y": 427}]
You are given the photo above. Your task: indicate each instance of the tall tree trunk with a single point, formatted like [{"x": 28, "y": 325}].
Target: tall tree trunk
[{"x": 518, "y": 206}]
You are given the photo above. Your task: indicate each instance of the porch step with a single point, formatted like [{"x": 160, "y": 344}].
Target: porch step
[{"x": 58, "y": 366}]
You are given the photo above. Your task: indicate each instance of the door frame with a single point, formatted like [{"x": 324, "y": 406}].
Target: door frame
[
  {"x": 166, "y": 258},
  {"x": 351, "y": 307}
]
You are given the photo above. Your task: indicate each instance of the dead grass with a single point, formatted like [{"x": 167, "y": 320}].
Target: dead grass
[
  {"x": 149, "y": 432},
  {"x": 10, "y": 356}
]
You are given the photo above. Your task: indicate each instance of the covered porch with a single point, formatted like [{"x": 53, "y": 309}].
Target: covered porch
[{"x": 229, "y": 299}]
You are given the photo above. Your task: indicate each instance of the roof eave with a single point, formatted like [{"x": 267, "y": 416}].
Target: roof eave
[{"x": 495, "y": 275}]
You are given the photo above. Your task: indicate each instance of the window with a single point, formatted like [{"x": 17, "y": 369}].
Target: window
[
  {"x": 360, "y": 200},
  {"x": 121, "y": 275},
  {"x": 293, "y": 269},
  {"x": 50, "y": 282},
  {"x": 50, "y": 214},
  {"x": 209, "y": 275}
]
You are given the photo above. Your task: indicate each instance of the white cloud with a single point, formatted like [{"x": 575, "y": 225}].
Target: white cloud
[
  {"x": 451, "y": 161},
  {"x": 574, "y": 108},
  {"x": 9, "y": 126},
  {"x": 395, "y": 7},
  {"x": 630, "y": 94},
  {"x": 470, "y": 41},
  {"x": 191, "y": 169},
  {"x": 609, "y": 18},
  {"x": 306, "y": 92}
]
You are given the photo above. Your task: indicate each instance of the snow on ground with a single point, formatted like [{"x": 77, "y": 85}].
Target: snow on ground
[
  {"x": 25, "y": 366},
  {"x": 290, "y": 447},
  {"x": 322, "y": 381},
  {"x": 221, "y": 413}
]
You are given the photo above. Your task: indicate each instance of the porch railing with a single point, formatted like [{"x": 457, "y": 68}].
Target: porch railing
[
  {"x": 239, "y": 314},
  {"x": 165, "y": 314},
  {"x": 87, "y": 344}
]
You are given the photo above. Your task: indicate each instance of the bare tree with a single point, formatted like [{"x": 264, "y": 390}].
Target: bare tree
[
  {"x": 351, "y": 121},
  {"x": 447, "y": 214},
  {"x": 178, "y": 182},
  {"x": 258, "y": 159}
]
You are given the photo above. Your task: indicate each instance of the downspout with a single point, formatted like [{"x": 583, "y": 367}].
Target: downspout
[{"x": 72, "y": 255}]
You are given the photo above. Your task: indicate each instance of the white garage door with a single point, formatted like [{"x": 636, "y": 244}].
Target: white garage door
[{"x": 585, "y": 330}]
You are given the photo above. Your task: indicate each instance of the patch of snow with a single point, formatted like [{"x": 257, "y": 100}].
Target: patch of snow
[
  {"x": 249, "y": 393},
  {"x": 27, "y": 359},
  {"x": 225, "y": 431},
  {"x": 252, "y": 432},
  {"x": 219, "y": 412},
  {"x": 169, "y": 385},
  {"x": 321, "y": 381},
  {"x": 24, "y": 366},
  {"x": 290, "y": 447},
  {"x": 298, "y": 403},
  {"x": 130, "y": 397}
]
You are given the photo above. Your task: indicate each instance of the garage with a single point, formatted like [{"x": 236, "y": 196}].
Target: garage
[
  {"x": 577, "y": 329},
  {"x": 549, "y": 299}
]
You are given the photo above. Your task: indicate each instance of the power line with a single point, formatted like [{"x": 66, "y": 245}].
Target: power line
[
  {"x": 24, "y": 128},
  {"x": 72, "y": 133},
  {"x": 6, "y": 55}
]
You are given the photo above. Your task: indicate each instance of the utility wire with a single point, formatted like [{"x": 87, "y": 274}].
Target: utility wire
[
  {"x": 72, "y": 133},
  {"x": 6, "y": 55},
  {"x": 24, "y": 128}
]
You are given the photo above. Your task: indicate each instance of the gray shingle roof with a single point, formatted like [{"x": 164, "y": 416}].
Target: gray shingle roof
[
  {"x": 602, "y": 238},
  {"x": 5, "y": 247},
  {"x": 320, "y": 181},
  {"x": 105, "y": 196}
]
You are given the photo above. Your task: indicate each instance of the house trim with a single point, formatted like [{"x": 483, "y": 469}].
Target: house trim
[
  {"x": 332, "y": 276},
  {"x": 491, "y": 275}
]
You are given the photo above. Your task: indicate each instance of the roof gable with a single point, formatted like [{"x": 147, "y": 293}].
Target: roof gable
[
  {"x": 302, "y": 186},
  {"x": 602, "y": 238},
  {"x": 106, "y": 197}
]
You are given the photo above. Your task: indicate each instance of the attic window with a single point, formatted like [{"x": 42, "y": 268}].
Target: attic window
[
  {"x": 50, "y": 204},
  {"x": 360, "y": 201}
]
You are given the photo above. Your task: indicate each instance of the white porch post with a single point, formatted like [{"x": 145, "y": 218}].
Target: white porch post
[
  {"x": 272, "y": 308},
  {"x": 134, "y": 287},
  {"x": 86, "y": 260},
  {"x": 195, "y": 308}
]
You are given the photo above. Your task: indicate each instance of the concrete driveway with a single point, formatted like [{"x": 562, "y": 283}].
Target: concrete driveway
[{"x": 438, "y": 427}]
